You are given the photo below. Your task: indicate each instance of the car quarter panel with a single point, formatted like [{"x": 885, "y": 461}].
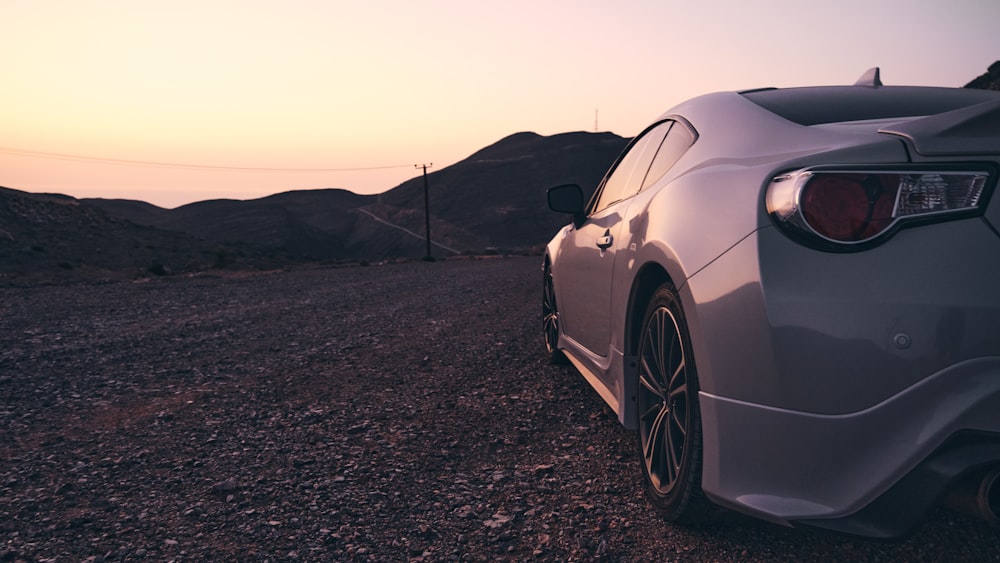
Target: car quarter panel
[
  {"x": 850, "y": 330},
  {"x": 779, "y": 324},
  {"x": 707, "y": 203},
  {"x": 779, "y": 412}
]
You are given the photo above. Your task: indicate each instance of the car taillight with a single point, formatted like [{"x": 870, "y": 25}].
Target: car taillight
[{"x": 850, "y": 207}]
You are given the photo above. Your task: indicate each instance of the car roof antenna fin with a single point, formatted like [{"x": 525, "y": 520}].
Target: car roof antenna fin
[{"x": 870, "y": 78}]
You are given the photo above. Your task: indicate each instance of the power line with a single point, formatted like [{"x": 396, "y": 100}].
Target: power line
[{"x": 61, "y": 156}]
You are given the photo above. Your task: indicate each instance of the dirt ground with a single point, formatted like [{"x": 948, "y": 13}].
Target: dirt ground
[{"x": 402, "y": 412}]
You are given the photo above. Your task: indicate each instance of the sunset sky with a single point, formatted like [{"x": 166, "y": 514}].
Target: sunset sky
[{"x": 185, "y": 100}]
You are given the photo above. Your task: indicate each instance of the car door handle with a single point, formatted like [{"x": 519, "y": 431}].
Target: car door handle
[{"x": 605, "y": 242}]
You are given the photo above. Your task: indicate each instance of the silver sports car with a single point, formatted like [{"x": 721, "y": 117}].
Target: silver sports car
[{"x": 793, "y": 295}]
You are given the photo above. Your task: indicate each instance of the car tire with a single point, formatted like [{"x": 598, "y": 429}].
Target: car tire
[
  {"x": 550, "y": 318},
  {"x": 669, "y": 421}
]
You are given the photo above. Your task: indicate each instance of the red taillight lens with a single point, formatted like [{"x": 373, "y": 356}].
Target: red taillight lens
[
  {"x": 850, "y": 207},
  {"x": 836, "y": 207}
]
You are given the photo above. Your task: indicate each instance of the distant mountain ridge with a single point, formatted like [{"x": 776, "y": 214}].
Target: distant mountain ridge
[
  {"x": 48, "y": 237},
  {"x": 497, "y": 195},
  {"x": 306, "y": 224},
  {"x": 492, "y": 201}
]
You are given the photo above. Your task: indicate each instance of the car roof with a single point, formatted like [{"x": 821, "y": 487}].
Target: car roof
[{"x": 836, "y": 104}]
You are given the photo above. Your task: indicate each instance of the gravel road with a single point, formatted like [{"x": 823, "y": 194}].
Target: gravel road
[{"x": 402, "y": 412}]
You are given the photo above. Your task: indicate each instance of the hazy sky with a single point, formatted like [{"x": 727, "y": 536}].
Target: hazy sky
[{"x": 220, "y": 85}]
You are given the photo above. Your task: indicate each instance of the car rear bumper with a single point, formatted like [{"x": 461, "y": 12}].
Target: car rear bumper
[{"x": 789, "y": 466}]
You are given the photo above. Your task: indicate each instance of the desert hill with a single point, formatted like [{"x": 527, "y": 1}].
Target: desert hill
[
  {"x": 498, "y": 193},
  {"x": 52, "y": 237},
  {"x": 990, "y": 80},
  {"x": 493, "y": 201},
  {"x": 308, "y": 224}
]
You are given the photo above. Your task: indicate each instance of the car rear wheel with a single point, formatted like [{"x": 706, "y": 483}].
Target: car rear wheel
[
  {"x": 550, "y": 318},
  {"x": 668, "y": 418}
]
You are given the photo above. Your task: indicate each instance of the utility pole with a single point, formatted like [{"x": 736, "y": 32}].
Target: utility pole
[{"x": 427, "y": 212}]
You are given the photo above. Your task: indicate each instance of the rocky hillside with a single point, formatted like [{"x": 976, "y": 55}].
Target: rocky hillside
[
  {"x": 988, "y": 81},
  {"x": 51, "y": 237},
  {"x": 498, "y": 193},
  {"x": 493, "y": 201}
]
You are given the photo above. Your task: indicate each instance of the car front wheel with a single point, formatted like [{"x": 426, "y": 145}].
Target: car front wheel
[
  {"x": 550, "y": 318},
  {"x": 668, "y": 416}
]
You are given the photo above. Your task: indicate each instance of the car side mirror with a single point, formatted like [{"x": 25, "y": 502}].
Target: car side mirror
[{"x": 567, "y": 198}]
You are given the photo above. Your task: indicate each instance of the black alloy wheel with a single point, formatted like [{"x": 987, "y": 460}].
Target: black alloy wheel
[{"x": 667, "y": 403}]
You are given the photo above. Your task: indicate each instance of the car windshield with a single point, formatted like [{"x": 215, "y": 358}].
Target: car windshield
[{"x": 836, "y": 104}]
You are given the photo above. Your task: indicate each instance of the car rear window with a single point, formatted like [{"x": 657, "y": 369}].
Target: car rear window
[{"x": 835, "y": 104}]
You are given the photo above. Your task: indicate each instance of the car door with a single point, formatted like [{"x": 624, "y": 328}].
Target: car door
[{"x": 587, "y": 256}]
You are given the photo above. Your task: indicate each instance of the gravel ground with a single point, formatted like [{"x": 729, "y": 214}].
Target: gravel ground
[{"x": 385, "y": 413}]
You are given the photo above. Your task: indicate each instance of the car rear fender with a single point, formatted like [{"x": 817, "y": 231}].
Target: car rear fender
[{"x": 648, "y": 279}]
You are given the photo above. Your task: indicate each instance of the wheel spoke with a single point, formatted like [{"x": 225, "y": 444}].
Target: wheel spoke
[
  {"x": 678, "y": 392},
  {"x": 661, "y": 349},
  {"x": 674, "y": 452},
  {"x": 644, "y": 415},
  {"x": 680, "y": 424},
  {"x": 550, "y": 323},
  {"x": 649, "y": 382},
  {"x": 550, "y": 314},
  {"x": 657, "y": 449},
  {"x": 653, "y": 438},
  {"x": 678, "y": 373},
  {"x": 651, "y": 347},
  {"x": 656, "y": 371},
  {"x": 548, "y": 308}
]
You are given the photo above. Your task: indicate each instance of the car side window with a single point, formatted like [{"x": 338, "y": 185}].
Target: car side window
[
  {"x": 626, "y": 178},
  {"x": 678, "y": 140}
]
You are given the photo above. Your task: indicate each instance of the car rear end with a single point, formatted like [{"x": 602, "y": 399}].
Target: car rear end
[{"x": 875, "y": 391}]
